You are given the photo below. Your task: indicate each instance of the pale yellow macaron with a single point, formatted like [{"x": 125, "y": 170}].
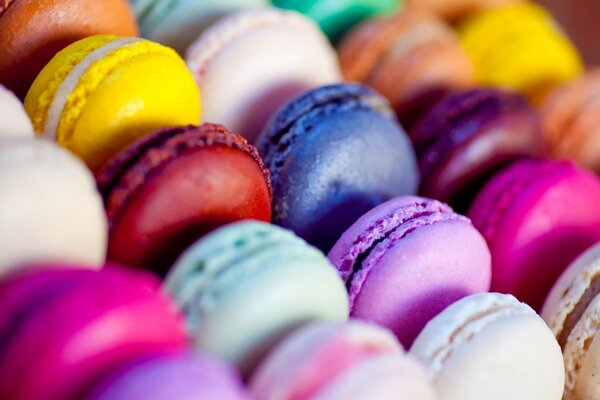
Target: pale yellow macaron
[
  {"x": 103, "y": 92},
  {"x": 520, "y": 47}
]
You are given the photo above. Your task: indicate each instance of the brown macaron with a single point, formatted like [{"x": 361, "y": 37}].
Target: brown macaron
[
  {"x": 412, "y": 58},
  {"x": 571, "y": 120},
  {"x": 173, "y": 186},
  {"x": 32, "y": 32}
]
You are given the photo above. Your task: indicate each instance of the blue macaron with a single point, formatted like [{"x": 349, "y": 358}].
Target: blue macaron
[{"x": 334, "y": 153}]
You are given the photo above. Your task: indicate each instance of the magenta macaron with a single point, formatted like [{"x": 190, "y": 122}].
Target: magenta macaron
[
  {"x": 537, "y": 216},
  {"x": 61, "y": 329},
  {"x": 406, "y": 260}
]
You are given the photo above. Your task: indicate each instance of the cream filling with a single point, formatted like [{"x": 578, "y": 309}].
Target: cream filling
[{"x": 71, "y": 81}]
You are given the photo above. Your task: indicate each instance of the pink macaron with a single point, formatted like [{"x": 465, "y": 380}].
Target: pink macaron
[
  {"x": 61, "y": 329},
  {"x": 537, "y": 216},
  {"x": 406, "y": 260}
]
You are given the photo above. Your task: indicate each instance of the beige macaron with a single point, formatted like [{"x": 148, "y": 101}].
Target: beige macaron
[{"x": 14, "y": 121}]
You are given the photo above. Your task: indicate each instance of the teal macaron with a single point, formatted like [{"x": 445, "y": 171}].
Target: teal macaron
[
  {"x": 336, "y": 17},
  {"x": 177, "y": 23},
  {"x": 248, "y": 284}
]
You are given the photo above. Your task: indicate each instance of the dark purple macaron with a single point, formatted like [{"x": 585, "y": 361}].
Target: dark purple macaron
[
  {"x": 467, "y": 137},
  {"x": 334, "y": 153}
]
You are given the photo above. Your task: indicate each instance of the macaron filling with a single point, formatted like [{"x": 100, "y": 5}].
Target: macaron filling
[
  {"x": 300, "y": 117},
  {"x": 123, "y": 176},
  {"x": 370, "y": 246},
  {"x": 458, "y": 120},
  {"x": 578, "y": 310}
]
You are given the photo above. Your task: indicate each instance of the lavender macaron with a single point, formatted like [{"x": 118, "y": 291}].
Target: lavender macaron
[{"x": 406, "y": 260}]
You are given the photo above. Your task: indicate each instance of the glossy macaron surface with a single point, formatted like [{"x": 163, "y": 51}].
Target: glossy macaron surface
[
  {"x": 212, "y": 175},
  {"x": 334, "y": 153}
]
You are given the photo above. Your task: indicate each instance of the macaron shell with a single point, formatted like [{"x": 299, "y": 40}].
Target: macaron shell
[
  {"x": 211, "y": 174},
  {"x": 421, "y": 275},
  {"x": 588, "y": 378},
  {"x": 273, "y": 73},
  {"x": 452, "y": 10},
  {"x": 32, "y": 32},
  {"x": 14, "y": 121}
]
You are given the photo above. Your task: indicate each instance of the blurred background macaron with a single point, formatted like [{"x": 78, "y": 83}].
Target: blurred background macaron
[
  {"x": 571, "y": 120},
  {"x": 247, "y": 285},
  {"x": 490, "y": 346},
  {"x": 453, "y": 10},
  {"x": 250, "y": 63},
  {"x": 413, "y": 58},
  {"x": 171, "y": 187},
  {"x": 102, "y": 93},
  {"x": 14, "y": 121},
  {"x": 520, "y": 47},
  {"x": 177, "y": 23},
  {"x": 50, "y": 209},
  {"x": 34, "y": 31},
  {"x": 336, "y": 17},
  {"x": 334, "y": 153}
]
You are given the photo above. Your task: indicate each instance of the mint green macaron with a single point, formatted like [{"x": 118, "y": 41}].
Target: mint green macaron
[{"x": 248, "y": 284}]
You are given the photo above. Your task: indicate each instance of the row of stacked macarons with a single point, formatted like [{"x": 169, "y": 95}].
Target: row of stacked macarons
[{"x": 320, "y": 187}]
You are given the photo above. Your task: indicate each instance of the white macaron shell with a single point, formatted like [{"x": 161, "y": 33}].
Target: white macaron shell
[
  {"x": 50, "y": 210},
  {"x": 14, "y": 121},
  {"x": 587, "y": 385}
]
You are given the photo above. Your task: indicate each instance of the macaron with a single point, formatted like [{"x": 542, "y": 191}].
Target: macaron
[
  {"x": 34, "y": 31},
  {"x": 412, "y": 58},
  {"x": 520, "y": 47},
  {"x": 468, "y": 136},
  {"x": 250, "y": 63},
  {"x": 50, "y": 210},
  {"x": 245, "y": 286},
  {"x": 490, "y": 346},
  {"x": 177, "y": 23},
  {"x": 340, "y": 361},
  {"x": 572, "y": 312},
  {"x": 456, "y": 9},
  {"x": 173, "y": 186},
  {"x": 406, "y": 260},
  {"x": 63, "y": 329},
  {"x": 336, "y": 17},
  {"x": 537, "y": 216},
  {"x": 101, "y": 93},
  {"x": 180, "y": 376},
  {"x": 334, "y": 153},
  {"x": 570, "y": 120},
  {"x": 14, "y": 121}
]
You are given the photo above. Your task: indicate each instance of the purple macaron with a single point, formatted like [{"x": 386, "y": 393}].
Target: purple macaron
[
  {"x": 406, "y": 260},
  {"x": 178, "y": 376},
  {"x": 467, "y": 137}
]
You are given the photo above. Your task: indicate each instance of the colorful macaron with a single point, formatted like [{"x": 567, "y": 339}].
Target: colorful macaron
[
  {"x": 406, "y": 260},
  {"x": 467, "y": 137},
  {"x": 34, "y": 31},
  {"x": 456, "y": 9},
  {"x": 250, "y": 63},
  {"x": 50, "y": 210},
  {"x": 571, "y": 122},
  {"x": 173, "y": 186},
  {"x": 412, "y": 58},
  {"x": 537, "y": 216},
  {"x": 334, "y": 153},
  {"x": 336, "y": 17},
  {"x": 572, "y": 310},
  {"x": 340, "y": 361},
  {"x": 14, "y": 121},
  {"x": 176, "y": 376},
  {"x": 103, "y": 92},
  {"x": 245, "y": 286},
  {"x": 520, "y": 47},
  {"x": 62, "y": 329},
  {"x": 177, "y": 23},
  {"x": 490, "y": 346}
]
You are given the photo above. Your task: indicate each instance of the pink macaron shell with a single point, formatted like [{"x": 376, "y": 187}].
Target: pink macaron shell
[
  {"x": 553, "y": 218},
  {"x": 421, "y": 275},
  {"x": 62, "y": 348}
]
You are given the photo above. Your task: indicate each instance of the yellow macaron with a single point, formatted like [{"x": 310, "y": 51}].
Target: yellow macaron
[
  {"x": 519, "y": 47},
  {"x": 101, "y": 93}
]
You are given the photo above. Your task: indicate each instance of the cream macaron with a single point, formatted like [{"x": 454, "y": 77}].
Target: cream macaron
[{"x": 14, "y": 121}]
